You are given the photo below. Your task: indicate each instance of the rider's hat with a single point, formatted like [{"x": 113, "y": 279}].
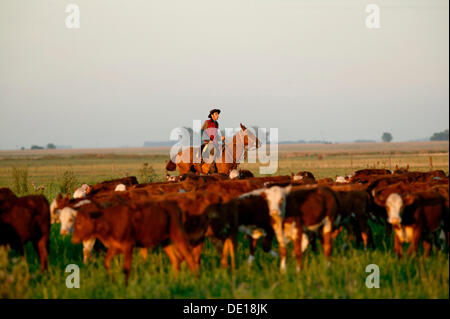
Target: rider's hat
[{"x": 213, "y": 111}]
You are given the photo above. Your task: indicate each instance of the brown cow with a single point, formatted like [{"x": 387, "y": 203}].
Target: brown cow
[
  {"x": 292, "y": 209},
  {"x": 311, "y": 209},
  {"x": 233, "y": 187},
  {"x": 304, "y": 176},
  {"x": 123, "y": 227},
  {"x": 108, "y": 186},
  {"x": 24, "y": 219},
  {"x": 195, "y": 221},
  {"x": 415, "y": 216},
  {"x": 353, "y": 204},
  {"x": 249, "y": 214},
  {"x": 363, "y": 175}
]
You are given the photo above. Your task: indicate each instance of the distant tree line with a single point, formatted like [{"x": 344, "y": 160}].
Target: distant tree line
[
  {"x": 50, "y": 146},
  {"x": 440, "y": 136}
]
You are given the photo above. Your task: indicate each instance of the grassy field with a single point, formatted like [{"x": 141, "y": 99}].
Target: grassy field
[{"x": 345, "y": 277}]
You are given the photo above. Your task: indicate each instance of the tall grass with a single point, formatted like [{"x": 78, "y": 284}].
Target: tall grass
[
  {"x": 20, "y": 180},
  {"x": 147, "y": 174},
  {"x": 67, "y": 182}
]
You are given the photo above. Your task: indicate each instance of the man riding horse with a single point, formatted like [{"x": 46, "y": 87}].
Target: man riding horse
[
  {"x": 209, "y": 134},
  {"x": 225, "y": 158}
]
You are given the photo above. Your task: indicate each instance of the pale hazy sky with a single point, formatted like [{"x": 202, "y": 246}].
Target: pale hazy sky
[{"x": 137, "y": 69}]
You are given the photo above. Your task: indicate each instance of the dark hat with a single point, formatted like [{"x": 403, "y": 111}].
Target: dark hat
[{"x": 213, "y": 111}]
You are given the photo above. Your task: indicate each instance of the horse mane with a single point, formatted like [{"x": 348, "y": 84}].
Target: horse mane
[{"x": 235, "y": 153}]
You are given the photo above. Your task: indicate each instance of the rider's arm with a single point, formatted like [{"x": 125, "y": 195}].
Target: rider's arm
[{"x": 203, "y": 134}]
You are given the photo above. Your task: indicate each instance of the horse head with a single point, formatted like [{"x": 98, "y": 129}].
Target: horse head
[{"x": 250, "y": 139}]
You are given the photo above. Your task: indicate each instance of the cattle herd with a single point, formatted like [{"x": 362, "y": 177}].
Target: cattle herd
[{"x": 179, "y": 214}]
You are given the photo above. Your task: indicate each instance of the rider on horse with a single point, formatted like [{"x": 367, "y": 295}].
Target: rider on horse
[{"x": 209, "y": 134}]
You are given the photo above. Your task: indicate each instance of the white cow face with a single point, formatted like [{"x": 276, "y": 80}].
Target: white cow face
[
  {"x": 394, "y": 206},
  {"x": 276, "y": 199},
  {"x": 234, "y": 174},
  {"x": 120, "y": 188},
  {"x": 81, "y": 191},
  {"x": 67, "y": 217},
  {"x": 340, "y": 179}
]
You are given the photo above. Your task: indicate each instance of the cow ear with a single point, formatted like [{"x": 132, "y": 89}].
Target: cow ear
[
  {"x": 379, "y": 200},
  {"x": 59, "y": 197},
  {"x": 67, "y": 196},
  {"x": 396, "y": 167},
  {"x": 407, "y": 167},
  {"x": 408, "y": 199},
  {"x": 288, "y": 188}
]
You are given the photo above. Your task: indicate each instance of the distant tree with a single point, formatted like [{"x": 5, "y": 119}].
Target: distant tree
[
  {"x": 36, "y": 147},
  {"x": 440, "y": 136},
  {"x": 386, "y": 137},
  {"x": 51, "y": 146}
]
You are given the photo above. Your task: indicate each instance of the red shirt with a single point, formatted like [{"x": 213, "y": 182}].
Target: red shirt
[{"x": 210, "y": 129}]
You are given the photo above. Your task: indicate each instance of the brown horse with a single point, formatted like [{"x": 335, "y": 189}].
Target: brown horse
[{"x": 189, "y": 160}]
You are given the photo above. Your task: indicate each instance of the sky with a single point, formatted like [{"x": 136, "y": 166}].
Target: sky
[{"x": 135, "y": 70}]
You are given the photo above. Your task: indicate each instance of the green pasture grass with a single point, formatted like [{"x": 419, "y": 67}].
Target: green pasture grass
[{"x": 343, "y": 277}]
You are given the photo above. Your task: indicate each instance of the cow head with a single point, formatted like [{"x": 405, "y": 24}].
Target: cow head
[
  {"x": 80, "y": 192},
  {"x": 276, "y": 199},
  {"x": 340, "y": 179},
  {"x": 67, "y": 217},
  {"x": 395, "y": 205},
  {"x": 234, "y": 174},
  {"x": 120, "y": 188},
  {"x": 57, "y": 204}
]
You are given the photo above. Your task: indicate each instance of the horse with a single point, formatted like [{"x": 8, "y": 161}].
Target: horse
[{"x": 189, "y": 159}]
